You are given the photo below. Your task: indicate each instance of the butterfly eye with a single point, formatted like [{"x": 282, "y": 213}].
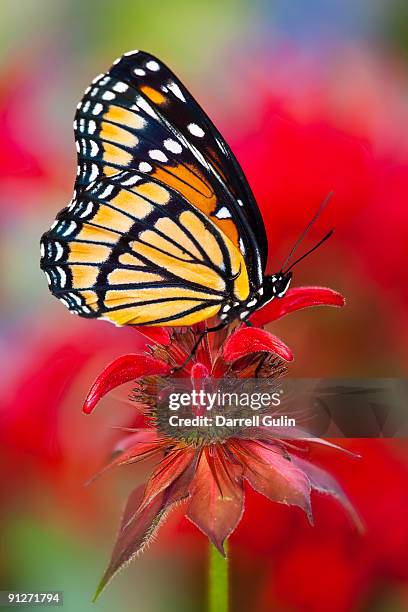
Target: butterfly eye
[
  {"x": 284, "y": 284},
  {"x": 280, "y": 283}
]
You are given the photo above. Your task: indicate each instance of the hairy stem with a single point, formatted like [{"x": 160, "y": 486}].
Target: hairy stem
[{"x": 217, "y": 580}]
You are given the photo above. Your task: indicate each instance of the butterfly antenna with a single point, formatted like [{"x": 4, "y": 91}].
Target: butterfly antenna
[
  {"x": 305, "y": 231},
  {"x": 316, "y": 246}
]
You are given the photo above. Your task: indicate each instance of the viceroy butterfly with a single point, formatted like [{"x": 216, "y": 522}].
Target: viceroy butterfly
[{"x": 162, "y": 229}]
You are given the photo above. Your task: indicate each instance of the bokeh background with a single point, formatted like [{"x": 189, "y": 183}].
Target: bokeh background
[{"x": 313, "y": 97}]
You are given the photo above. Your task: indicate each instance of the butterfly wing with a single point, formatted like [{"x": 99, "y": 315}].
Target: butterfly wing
[
  {"x": 132, "y": 250},
  {"x": 140, "y": 116}
]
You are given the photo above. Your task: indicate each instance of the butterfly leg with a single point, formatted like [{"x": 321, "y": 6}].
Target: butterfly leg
[{"x": 197, "y": 344}]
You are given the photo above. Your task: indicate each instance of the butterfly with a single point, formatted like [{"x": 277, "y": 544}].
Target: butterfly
[{"x": 163, "y": 228}]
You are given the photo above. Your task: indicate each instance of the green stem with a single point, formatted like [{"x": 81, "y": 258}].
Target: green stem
[{"x": 217, "y": 580}]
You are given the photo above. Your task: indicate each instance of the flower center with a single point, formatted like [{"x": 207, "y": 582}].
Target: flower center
[{"x": 212, "y": 410}]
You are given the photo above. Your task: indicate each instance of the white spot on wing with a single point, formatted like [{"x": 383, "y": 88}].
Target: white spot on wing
[
  {"x": 153, "y": 66},
  {"x": 223, "y": 213},
  {"x": 145, "y": 167},
  {"x": 97, "y": 109},
  {"x": 158, "y": 155},
  {"x": 71, "y": 228},
  {"x": 108, "y": 95},
  {"x": 173, "y": 145},
  {"x": 120, "y": 87},
  {"x": 87, "y": 210},
  {"x": 141, "y": 102},
  {"x": 63, "y": 276},
  {"x": 132, "y": 180},
  {"x": 244, "y": 314},
  {"x": 94, "y": 172},
  {"x": 195, "y": 130},
  {"x": 94, "y": 148},
  {"x": 91, "y": 126},
  {"x": 139, "y": 72},
  {"x": 106, "y": 192},
  {"x": 60, "y": 251},
  {"x": 176, "y": 90},
  {"x": 76, "y": 298}
]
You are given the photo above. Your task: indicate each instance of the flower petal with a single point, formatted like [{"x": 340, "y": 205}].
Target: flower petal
[
  {"x": 141, "y": 519},
  {"x": 323, "y": 482},
  {"x": 121, "y": 370},
  {"x": 133, "y": 537},
  {"x": 159, "y": 335},
  {"x": 295, "y": 299},
  {"x": 199, "y": 370},
  {"x": 254, "y": 340},
  {"x": 145, "y": 446},
  {"x": 217, "y": 498},
  {"x": 141, "y": 435},
  {"x": 274, "y": 475},
  {"x": 169, "y": 469}
]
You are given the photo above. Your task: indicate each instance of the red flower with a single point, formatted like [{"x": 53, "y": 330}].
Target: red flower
[
  {"x": 43, "y": 445},
  {"x": 208, "y": 471},
  {"x": 353, "y": 572},
  {"x": 329, "y": 129}
]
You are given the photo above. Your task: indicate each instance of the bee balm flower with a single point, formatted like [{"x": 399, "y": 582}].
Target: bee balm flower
[{"x": 207, "y": 473}]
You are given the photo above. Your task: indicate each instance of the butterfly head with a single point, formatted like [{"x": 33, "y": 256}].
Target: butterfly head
[{"x": 276, "y": 285}]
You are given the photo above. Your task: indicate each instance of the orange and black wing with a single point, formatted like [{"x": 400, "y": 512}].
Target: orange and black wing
[
  {"x": 139, "y": 116},
  {"x": 132, "y": 250}
]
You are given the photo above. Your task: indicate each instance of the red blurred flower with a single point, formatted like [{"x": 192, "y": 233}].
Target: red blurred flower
[
  {"x": 354, "y": 572},
  {"x": 45, "y": 446},
  {"x": 207, "y": 471},
  {"x": 309, "y": 126},
  {"x": 27, "y": 170}
]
